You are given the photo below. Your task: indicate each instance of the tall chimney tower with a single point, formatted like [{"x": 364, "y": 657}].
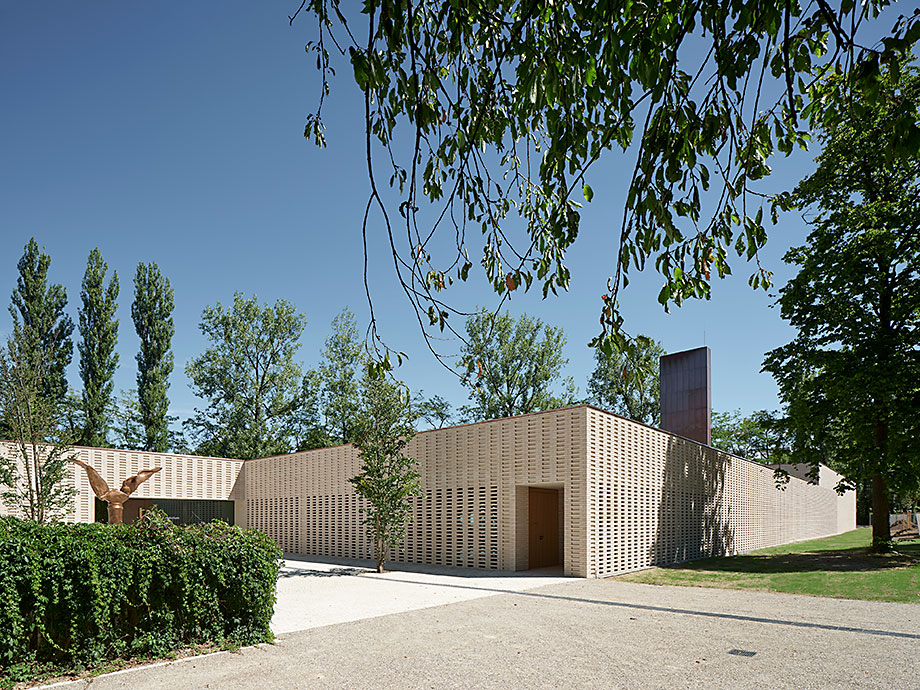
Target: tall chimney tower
[{"x": 686, "y": 394}]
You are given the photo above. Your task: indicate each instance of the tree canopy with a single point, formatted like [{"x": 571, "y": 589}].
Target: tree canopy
[
  {"x": 98, "y": 359},
  {"x": 486, "y": 119},
  {"x": 152, "y": 314},
  {"x": 760, "y": 436},
  {"x": 249, "y": 379},
  {"x": 851, "y": 377},
  {"x": 629, "y": 386},
  {"x": 515, "y": 366},
  {"x": 44, "y": 333}
]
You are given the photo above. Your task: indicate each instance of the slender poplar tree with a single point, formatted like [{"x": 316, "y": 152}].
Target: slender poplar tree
[
  {"x": 98, "y": 359},
  {"x": 45, "y": 330},
  {"x": 152, "y": 314}
]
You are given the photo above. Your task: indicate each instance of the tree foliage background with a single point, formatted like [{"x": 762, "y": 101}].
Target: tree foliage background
[
  {"x": 514, "y": 366},
  {"x": 850, "y": 379},
  {"x": 626, "y": 385},
  {"x": 248, "y": 377}
]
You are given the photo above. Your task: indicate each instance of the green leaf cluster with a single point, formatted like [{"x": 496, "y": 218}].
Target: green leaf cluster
[
  {"x": 98, "y": 359},
  {"x": 513, "y": 366},
  {"x": 627, "y": 382},
  {"x": 389, "y": 480},
  {"x": 248, "y": 377},
  {"x": 496, "y": 111},
  {"x": 850, "y": 379},
  {"x": 76, "y": 595}
]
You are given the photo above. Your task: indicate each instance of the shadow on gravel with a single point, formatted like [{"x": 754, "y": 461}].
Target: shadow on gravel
[
  {"x": 850, "y": 560},
  {"x": 288, "y": 571},
  {"x": 669, "y": 609}
]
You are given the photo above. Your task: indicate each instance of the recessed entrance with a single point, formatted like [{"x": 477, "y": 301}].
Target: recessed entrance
[{"x": 543, "y": 527}]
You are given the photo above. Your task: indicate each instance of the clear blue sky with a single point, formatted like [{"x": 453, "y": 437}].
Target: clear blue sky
[{"x": 172, "y": 132}]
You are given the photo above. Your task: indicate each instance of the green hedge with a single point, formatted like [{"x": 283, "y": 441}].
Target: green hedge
[{"x": 76, "y": 595}]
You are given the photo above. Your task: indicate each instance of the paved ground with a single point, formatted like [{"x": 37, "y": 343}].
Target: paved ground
[
  {"x": 312, "y": 594},
  {"x": 583, "y": 634}
]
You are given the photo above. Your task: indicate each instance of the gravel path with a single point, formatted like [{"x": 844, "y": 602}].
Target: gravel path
[{"x": 581, "y": 634}]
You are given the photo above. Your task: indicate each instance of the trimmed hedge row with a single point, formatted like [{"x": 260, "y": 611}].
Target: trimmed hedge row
[{"x": 75, "y": 595}]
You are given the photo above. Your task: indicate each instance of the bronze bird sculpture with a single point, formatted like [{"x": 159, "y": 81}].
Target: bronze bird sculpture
[{"x": 115, "y": 497}]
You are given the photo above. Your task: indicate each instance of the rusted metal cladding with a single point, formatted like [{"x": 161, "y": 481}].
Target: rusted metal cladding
[{"x": 686, "y": 394}]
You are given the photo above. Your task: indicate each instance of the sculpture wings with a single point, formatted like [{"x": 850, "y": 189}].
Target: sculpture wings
[
  {"x": 131, "y": 483},
  {"x": 102, "y": 490}
]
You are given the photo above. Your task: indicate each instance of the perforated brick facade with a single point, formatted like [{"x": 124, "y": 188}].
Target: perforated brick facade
[
  {"x": 471, "y": 513},
  {"x": 182, "y": 476},
  {"x": 656, "y": 498},
  {"x": 630, "y": 496}
]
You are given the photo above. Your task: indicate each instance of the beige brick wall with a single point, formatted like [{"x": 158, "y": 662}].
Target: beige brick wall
[
  {"x": 631, "y": 496},
  {"x": 472, "y": 511},
  {"x": 655, "y": 498},
  {"x": 182, "y": 476}
]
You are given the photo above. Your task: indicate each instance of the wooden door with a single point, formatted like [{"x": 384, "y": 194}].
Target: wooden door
[{"x": 543, "y": 512}]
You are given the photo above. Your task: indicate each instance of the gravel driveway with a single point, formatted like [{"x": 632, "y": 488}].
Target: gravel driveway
[{"x": 575, "y": 634}]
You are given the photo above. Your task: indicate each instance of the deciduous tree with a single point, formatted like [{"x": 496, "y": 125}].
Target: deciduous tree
[
  {"x": 388, "y": 480},
  {"x": 34, "y": 479},
  {"x": 851, "y": 376},
  {"x": 98, "y": 359},
  {"x": 340, "y": 378},
  {"x": 514, "y": 366},
  {"x": 152, "y": 314},
  {"x": 628, "y": 384},
  {"x": 248, "y": 378},
  {"x": 760, "y": 436},
  {"x": 436, "y": 411}
]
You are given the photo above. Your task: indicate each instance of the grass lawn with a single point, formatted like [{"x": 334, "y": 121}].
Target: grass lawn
[{"x": 839, "y": 566}]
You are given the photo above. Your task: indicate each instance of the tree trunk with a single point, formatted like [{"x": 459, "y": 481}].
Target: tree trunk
[{"x": 881, "y": 527}]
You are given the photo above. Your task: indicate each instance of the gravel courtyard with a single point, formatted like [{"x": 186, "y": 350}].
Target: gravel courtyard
[{"x": 575, "y": 633}]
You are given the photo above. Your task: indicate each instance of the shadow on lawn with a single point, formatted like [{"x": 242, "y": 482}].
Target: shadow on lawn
[{"x": 850, "y": 560}]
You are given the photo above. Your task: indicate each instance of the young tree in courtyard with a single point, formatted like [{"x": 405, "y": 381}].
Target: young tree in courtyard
[
  {"x": 851, "y": 376},
  {"x": 152, "y": 314},
  {"x": 98, "y": 359},
  {"x": 248, "y": 378},
  {"x": 33, "y": 480},
  {"x": 388, "y": 480},
  {"x": 628, "y": 385},
  {"x": 44, "y": 334},
  {"x": 513, "y": 366}
]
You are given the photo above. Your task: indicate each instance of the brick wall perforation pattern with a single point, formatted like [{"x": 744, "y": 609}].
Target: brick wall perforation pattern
[
  {"x": 181, "y": 476},
  {"x": 656, "y": 499},
  {"x": 469, "y": 474}
]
